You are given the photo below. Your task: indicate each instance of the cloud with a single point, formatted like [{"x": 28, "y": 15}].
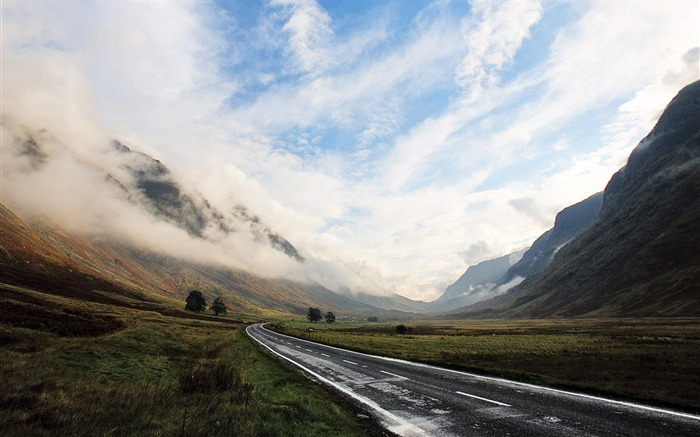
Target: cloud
[
  {"x": 309, "y": 30},
  {"x": 393, "y": 152},
  {"x": 493, "y": 34}
]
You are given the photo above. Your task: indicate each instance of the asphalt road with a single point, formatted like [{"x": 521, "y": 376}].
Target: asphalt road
[{"x": 413, "y": 399}]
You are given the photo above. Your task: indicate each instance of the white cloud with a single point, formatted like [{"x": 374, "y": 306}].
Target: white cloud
[
  {"x": 366, "y": 147},
  {"x": 310, "y": 32},
  {"x": 493, "y": 35}
]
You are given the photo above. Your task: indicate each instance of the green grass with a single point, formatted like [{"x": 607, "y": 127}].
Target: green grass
[
  {"x": 149, "y": 374},
  {"x": 650, "y": 360}
]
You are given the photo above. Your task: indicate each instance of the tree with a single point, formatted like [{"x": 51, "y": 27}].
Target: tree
[
  {"x": 372, "y": 319},
  {"x": 330, "y": 317},
  {"x": 219, "y": 307},
  {"x": 401, "y": 329},
  {"x": 195, "y": 302},
  {"x": 314, "y": 315}
]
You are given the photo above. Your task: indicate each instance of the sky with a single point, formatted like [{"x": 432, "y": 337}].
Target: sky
[{"x": 393, "y": 143}]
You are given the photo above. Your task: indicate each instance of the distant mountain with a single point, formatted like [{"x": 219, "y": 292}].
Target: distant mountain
[
  {"x": 164, "y": 197},
  {"x": 492, "y": 278},
  {"x": 43, "y": 257},
  {"x": 476, "y": 284},
  {"x": 569, "y": 223},
  {"x": 392, "y": 302},
  {"x": 642, "y": 256}
]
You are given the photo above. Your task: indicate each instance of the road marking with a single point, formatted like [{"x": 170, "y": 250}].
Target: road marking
[
  {"x": 350, "y": 362},
  {"x": 394, "y": 374},
  {"x": 308, "y": 350},
  {"x": 507, "y": 381},
  {"x": 325, "y": 355},
  {"x": 483, "y": 399},
  {"x": 298, "y": 347},
  {"x": 398, "y": 424}
]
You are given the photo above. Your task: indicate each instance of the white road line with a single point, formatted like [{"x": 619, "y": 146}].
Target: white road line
[
  {"x": 394, "y": 374},
  {"x": 308, "y": 350},
  {"x": 325, "y": 355},
  {"x": 507, "y": 381},
  {"x": 483, "y": 399},
  {"x": 398, "y": 424},
  {"x": 350, "y": 362},
  {"x": 298, "y": 347}
]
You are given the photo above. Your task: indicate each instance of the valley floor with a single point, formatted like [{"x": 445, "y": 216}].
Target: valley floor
[
  {"x": 71, "y": 367},
  {"x": 654, "y": 361}
]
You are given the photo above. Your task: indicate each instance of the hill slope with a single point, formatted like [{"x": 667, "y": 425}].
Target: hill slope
[
  {"x": 492, "y": 278},
  {"x": 642, "y": 258},
  {"x": 43, "y": 257}
]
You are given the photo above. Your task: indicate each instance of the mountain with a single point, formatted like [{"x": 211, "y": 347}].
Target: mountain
[
  {"x": 127, "y": 182},
  {"x": 392, "y": 302},
  {"x": 41, "y": 256},
  {"x": 642, "y": 256},
  {"x": 494, "y": 277},
  {"x": 569, "y": 223},
  {"x": 165, "y": 198},
  {"x": 476, "y": 284}
]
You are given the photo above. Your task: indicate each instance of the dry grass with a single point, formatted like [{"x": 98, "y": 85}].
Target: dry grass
[
  {"x": 652, "y": 360},
  {"x": 112, "y": 370}
]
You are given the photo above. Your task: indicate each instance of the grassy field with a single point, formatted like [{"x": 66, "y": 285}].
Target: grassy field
[
  {"x": 651, "y": 360},
  {"x": 71, "y": 367}
]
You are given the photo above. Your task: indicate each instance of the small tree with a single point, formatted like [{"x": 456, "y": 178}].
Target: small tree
[
  {"x": 195, "y": 302},
  {"x": 314, "y": 315},
  {"x": 330, "y": 317},
  {"x": 219, "y": 307},
  {"x": 372, "y": 319},
  {"x": 401, "y": 329}
]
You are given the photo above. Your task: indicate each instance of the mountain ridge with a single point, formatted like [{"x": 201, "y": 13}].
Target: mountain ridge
[
  {"x": 642, "y": 257},
  {"x": 46, "y": 258}
]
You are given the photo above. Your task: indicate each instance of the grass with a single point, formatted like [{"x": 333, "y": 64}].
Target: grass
[
  {"x": 82, "y": 368},
  {"x": 650, "y": 360}
]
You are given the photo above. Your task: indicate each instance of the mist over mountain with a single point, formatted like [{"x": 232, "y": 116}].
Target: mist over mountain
[
  {"x": 492, "y": 278},
  {"x": 41, "y": 256},
  {"x": 642, "y": 257},
  {"x": 165, "y": 198},
  {"x": 128, "y": 195},
  {"x": 569, "y": 223},
  {"x": 476, "y": 284}
]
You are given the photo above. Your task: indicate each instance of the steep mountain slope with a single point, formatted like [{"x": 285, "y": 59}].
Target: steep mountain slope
[
  {"x": 43, "y": 257},
  {"x": 120, "y": 179},
  {"x": 642, "y": 257},
  {"x": 569, "y": 223},
  {"x": 164, "y": 197},
  {"x": 492, "y": 278}
]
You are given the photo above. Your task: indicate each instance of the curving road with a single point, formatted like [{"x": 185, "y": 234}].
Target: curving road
[{"x": 413, "y": 399}]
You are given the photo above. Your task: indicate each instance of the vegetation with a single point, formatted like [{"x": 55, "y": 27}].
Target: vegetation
[
  {"x": 71, "y": 367},
  {"x": 219, "y": 307},
  {"x": 330, "y": 317},
  {"x": 649, "y": 360},
  {"x": 195, "y": 302},
  {"x": 314, "y": 315},
  {"x": 372, "y": 319}
]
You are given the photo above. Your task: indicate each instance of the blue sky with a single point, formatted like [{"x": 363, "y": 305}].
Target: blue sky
[{"x": 393, "y": 143}]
